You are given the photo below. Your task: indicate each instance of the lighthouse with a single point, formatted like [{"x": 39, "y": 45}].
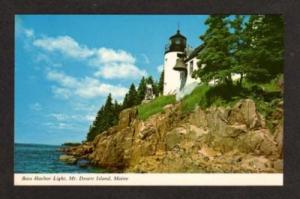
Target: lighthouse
[{"x": 174, "y": 55}]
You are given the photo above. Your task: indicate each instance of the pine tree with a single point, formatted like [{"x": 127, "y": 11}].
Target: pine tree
[
  {"x": 149, "y": 80},
  {"x": 141, "y": 90},
  {"x": 238, "y": 46},
  {"x": 161, "y": 83},
  {"x": 131, "y": 98},
  {"x": 264, "y": 55},
  {"x": 117, "y": 108},
  {"x": 106, "y": 117},
  {"x": 108, "y": 112},
  {"x": 216, "y": 55},
  {"x": 155, "y": 88},
  {"x": 97, "y": 125}
]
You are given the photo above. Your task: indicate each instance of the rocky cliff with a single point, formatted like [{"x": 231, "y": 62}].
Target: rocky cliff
[{"x": 233, "y": 139}]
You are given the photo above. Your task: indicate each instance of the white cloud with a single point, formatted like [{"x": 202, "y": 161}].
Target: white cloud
[
  {"x": 108, "y": 63},
  {"x": 120, "y": 70},
  {"x": 41, "y": 57},
  {"x": 107, "y": 55},
  {"x": 29, "y": 33},
  {"x": 21, "y": 30},
  {"x": 91, "y": 88},
  {"x": 160, "y": 68},
  {"x": 84, "y": 87},
  {"x": 63, "y": 79},
  {"x": 36, "y": 106},
  {"x": 65, "y": 45},
  {"x": 62, "y": 93},
  {"x": 116, "y": 64}
]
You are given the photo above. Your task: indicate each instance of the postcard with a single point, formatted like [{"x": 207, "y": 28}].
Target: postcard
[{"x": 183, "y": 100}]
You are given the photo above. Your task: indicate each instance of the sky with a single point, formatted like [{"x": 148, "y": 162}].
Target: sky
[{"x": 66, "y": 65}]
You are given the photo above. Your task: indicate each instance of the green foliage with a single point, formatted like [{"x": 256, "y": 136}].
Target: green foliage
[
  {"x": 264, "y": 55},
  {"x": 131, "y": 98},
  {"x": 197, "y": 97},
  {"x": 141, "y": 90},
  {"x": 216, "y": 52},
  {"x": 155, "y": 106},
  {"x": 264, "y": 94},
  {"x": 106, "y": 117},
  {"x": 161, "y": 83},
  {"x": 252, "y": 48}
]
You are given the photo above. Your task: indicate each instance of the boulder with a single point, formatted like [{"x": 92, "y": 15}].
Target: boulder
[
  {"x": 68, "y": 159},
  {"x": 278, "y": 136},
  {"x": 146, "y": 130},
  {"x": 195, "y": 132},
  {"x": 198, "y": 118},
  {"x": 174, "y": 137},
  {"x": 126, "y": 117},
  {"x": 244, "y": 112}
]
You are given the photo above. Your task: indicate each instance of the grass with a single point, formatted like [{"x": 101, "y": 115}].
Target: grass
[
  {"x": 222, "y": 95},
  {"x": 266, "y": 96},
  {"x": 206, "y": 96},
  {"x": 197, "y": 97},
  {"x": 155, "y": 106}
]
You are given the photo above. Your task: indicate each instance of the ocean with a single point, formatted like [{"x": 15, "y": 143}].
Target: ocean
[{"x": 36, "y": 158}]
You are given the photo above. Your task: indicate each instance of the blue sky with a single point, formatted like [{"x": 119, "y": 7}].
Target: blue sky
[{"x": 65, "y": 66}]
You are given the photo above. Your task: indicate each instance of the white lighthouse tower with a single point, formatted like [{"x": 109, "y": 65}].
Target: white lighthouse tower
[{"x": 174, "y": 52}]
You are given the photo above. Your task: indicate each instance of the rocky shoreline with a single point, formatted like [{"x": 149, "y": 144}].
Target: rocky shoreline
[{"x": 216, "y": 140}]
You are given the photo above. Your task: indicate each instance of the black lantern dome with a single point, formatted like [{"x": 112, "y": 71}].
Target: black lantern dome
[{"x": 177, "y": 42}]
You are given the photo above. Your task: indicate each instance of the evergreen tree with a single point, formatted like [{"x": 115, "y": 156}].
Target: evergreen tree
[
  {"x": 108, "y": 112},
  {"x": 216, "y": 55},
  {"x": 149, "y": 80},
  {"x": 117, "y": 109},
  {"x": 131, "y": 98},
  {"x": 106, "y": 117},
  {"x": 155, "y": 88},
  {"x": 125, "y": 103},
  {"x": 161, "y": 83},
  {"x": 264, "y": 56},
  {"x": 238, "y": 46},
  {"x": 141, "y": 90},
  {"x": 97, "y": 125}
]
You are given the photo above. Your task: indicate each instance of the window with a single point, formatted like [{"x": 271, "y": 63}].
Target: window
[{"x": 177, "y": 41}]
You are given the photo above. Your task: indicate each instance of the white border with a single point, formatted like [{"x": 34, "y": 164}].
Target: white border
[{"x": 121, "y": 179}]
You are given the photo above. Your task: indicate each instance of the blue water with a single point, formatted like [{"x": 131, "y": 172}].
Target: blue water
[{"x": 34, "y": 158}]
